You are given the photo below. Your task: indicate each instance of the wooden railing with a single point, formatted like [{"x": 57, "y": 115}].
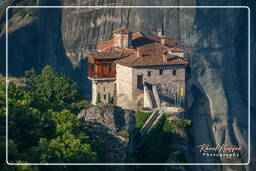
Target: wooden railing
[{"x": 111, "y": 74}]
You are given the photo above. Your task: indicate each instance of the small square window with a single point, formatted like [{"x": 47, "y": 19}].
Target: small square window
[
  {"x": 161, "y": 72},
  {"x": 173, "y": 72},
  {"x": 92, "y": 67},
  {"x": 149, "y": 73}
]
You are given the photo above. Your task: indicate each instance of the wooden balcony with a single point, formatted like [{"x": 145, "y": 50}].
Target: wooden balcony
[
  {"x": 101, "y": 69},
  {"x": 101, "y": 75}
]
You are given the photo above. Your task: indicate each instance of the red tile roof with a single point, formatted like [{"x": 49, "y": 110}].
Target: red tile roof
[
  {"x": 112, "y": 53},
  {"x": 110, "y": 43},
  {"x": 124, "y": 30},
  {"x": 151, "y": 60},
  {"x": 168, "y": 42},
  {"x": 176, "y": 50},
  {"x": 105, "y": 45},
  {"x": 152, "y": 52}
]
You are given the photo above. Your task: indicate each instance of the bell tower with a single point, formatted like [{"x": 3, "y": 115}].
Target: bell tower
[{"x": 122, "y": 37}]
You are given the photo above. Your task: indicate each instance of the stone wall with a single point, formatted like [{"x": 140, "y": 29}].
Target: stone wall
[
  {"x": 164, "y": 82},
  {"x": 147, "y": 100},
  {"x": 130, "y": 97},
  {"x": 122, "y": 40},
  {"x": 124, "y": 86},
  {"x": 105, "y": 88}
]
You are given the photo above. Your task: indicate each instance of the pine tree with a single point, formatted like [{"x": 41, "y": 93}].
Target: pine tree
[
  {"x": 98, "y": 100},
  {"x": 109, "y": 99}
]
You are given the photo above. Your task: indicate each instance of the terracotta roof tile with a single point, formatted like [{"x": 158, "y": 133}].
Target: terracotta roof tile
[
  {"x": 168, "y": 42},
  {"x": 141, "y": 38},
  {"x": 106, "y": 44},
  {"x": 109, "y": 43},
  {"x": 112, "y": 53},
  {"x": 152, "y": 60},
  {"x": 176, "y": 50},
  {"x": 152, "y": 52},
  {"x": 124, "y": 30}
]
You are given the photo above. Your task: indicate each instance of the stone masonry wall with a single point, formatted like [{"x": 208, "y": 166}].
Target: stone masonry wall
[
  {"x": 130, "y": 97},
  {"x": 105, "y": 88},
  {"x": 164, "y": 82},
  {"x": 124, "y": 87}
]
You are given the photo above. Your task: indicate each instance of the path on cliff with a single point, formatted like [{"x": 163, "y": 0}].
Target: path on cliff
[{"x": 152, "y": 120}]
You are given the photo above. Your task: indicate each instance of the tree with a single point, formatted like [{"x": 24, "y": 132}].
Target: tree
[
  {"x": 41, "y": 121},
  {"x": 71, "y": 144},
  {"x": 66, "y": 148},
  {"x": 57, "y": 88},
  {"x": 98, "y": 100},
  {"x": 110, "y": 99}
]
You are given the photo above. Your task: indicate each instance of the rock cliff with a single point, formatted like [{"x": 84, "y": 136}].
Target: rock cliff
[
  {"x": 215, "y": 41},
  {"x": 105, "y": 124}
]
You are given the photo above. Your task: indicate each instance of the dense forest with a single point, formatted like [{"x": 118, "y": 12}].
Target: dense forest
[
  {"x": 42, "y": 121},
  {"x": 43, "y": 127}
]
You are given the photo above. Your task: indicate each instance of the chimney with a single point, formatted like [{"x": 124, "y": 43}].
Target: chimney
[
  {"x": 159, "y": 32},
  {"x": 165, "y": 57},
  {"x": 162, "y": 39},
  {"x": 139, "y": 54}
]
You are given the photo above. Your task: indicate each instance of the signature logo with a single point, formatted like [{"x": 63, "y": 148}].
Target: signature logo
[{"x": 223, "y": 150}]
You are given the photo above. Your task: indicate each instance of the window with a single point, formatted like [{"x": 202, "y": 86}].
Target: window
[
  {"x": 173, "y": 72},
  {"x": 105, "y": 97},
  {"x": 149, "y": 73},
  {"x": 104, "y": 67},
  {"x": 140, "y": 82},
  {"x": 109, "y": 67},
  {"x": 161, "y": 72},
  {"x": 92, "y": 67}
]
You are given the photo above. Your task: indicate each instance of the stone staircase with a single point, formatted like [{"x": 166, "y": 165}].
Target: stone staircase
[
  {"x": 153, "y": 96},
  {"x": 152, "y": 120},
  {"x": 156, "y": 96}
]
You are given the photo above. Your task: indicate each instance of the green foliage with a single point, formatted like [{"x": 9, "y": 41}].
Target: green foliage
[
  {"x": 123, "y": 133},
  {"x": 98, "y": 100},
  {"x": 181, "y": 124},
  {"x": 110, "y": 99},
  {"x": 141, "y": 118},
  {"x": 66, "y": 148},
  {"x": 24, "y": 11},
  {"x": 182, "y": 158},
  {"x": 187, "y": 123},
  {"x": 54, "y": 86},
  {"x": 20, "y": 168},
  {"x": 159, "y": 143},
  {"x": 42, "y": 121},
  {"x": 27, "y": 121}
]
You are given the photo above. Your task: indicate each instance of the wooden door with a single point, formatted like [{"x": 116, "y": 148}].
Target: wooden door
[{"x": 140, "y": 82}]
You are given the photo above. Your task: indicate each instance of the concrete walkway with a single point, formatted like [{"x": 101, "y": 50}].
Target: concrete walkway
[{"x": 152, "y": 120}]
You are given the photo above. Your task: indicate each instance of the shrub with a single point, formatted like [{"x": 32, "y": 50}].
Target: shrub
[
  {"x": 24, "y": 11},
  {"x": 123, "y": 133},
  {"x": 98, "y": 100},
  {"x": 141, "y": 118},
  {"x": 187, "y": 123},
  {"x": 181, "y": 124}
]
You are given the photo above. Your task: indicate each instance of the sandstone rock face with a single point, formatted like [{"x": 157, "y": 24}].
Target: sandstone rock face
[
  {"x": 215, "y": 41},
  {"x": 105, "y": 122}
]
